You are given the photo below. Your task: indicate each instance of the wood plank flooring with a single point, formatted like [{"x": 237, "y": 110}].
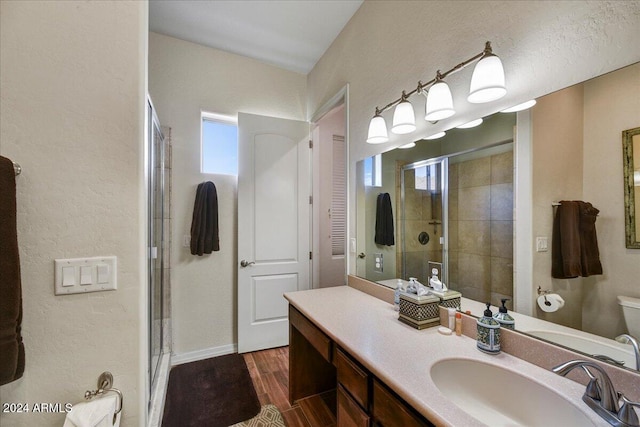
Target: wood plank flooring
[{"x": 269, "y": 371}]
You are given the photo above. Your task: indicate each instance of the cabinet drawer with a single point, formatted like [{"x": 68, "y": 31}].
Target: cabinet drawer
[
  {"x": 349, "y": 413},
  {"x": 389, "y": 411},
  {"x": 353, "y": 378},
  {"x": 315, "y": 336}
]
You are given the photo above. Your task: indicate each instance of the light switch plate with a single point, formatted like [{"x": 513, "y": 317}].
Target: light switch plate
[
  {"x": 542, "y": 244},
  {"x": 86, "y": 271}
]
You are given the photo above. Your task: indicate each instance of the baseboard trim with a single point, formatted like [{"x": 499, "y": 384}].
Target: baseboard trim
[{"x": 205, "y": 353}]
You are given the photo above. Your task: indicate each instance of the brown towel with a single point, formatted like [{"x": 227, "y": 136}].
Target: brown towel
[
  {"x": 11, "y": 346},
  {"x": 204, "y": 224},
  {"x": 589, "y": 252},
  {"x": 574, "y": 248}
]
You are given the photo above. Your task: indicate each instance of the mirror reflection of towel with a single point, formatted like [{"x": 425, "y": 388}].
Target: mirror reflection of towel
[
  {"x": 204, "y": 225},
  {"x": 384, "y": 221},
  {"x": 574, "y": 248}
]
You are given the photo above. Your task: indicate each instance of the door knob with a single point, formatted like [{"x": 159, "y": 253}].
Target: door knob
[
  {"x": 244, "y": 263},
  {"x": 361, "y": 255}
]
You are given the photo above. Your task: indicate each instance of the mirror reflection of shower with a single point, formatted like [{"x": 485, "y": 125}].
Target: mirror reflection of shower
[
  {"x": 420, "y": 219},
  {"x": 458, "y": 211}
]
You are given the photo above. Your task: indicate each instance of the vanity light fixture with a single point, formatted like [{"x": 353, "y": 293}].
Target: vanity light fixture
[
  {"x": 436, "y": 135},
  {"x": 439, "y": 101},
  {"x": 520, "y": 107},
  {"x": 487, "y": 84},
  {"x": 377, "y": 130},
  {"x": 404, "y": 118},
  {"x": 409, "y": 145},
  {"x": 487, "y": 80},
  {"x": 471, "y": 124}
]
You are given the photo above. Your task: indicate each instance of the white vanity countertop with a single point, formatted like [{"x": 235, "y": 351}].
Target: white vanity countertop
[{"x": 402, "y": 356}]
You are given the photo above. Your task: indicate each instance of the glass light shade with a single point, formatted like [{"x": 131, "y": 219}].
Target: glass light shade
[
  {"x": 471, "y": 124},
  {"x": 377, "y": 131},
  {"x": 409, "y": 145},
  {"x": 436, "y": 135},
  {"x": 487, "y": 81},
  {"x": 404, "y": 119},
  {"x": 520, "y": 107},
  {"x": 439, "y": 102}
]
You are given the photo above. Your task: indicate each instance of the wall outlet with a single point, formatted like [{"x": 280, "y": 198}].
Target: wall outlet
[{"x": 378, "y": 265}]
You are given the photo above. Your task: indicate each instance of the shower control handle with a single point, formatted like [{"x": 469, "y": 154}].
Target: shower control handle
[{"x": 244, "y": 263}]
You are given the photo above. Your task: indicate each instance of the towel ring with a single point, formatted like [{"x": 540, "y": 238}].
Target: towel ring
[{"x": 105, "y": 383}]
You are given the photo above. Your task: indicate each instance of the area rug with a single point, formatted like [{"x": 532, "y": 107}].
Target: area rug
[
  {"x": 269, "y": 416},
  {"x": 216, "y": 392}
]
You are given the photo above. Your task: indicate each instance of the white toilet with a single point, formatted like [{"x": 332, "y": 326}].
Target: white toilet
[{"x": 631, "y": 313}]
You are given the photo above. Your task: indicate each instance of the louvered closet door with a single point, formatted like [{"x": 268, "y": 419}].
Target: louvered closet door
[{"x": 333, "y": 214}]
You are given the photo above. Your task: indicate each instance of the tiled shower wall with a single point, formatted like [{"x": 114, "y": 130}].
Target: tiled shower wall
[{"x": 481, "y": 227}]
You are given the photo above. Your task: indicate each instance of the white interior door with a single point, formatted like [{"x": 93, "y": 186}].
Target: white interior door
[{"x": 273, "y": 226}]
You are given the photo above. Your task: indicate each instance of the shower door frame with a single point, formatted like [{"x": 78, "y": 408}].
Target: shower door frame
[
  {"x": 444, "y": 188},
  {"x": 155, "y": 251}
]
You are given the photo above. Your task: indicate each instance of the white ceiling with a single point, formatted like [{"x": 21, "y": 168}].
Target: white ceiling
[{"x": 291, "y": 34}]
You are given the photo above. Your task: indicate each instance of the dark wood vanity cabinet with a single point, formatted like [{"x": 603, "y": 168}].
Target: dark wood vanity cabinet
[
  {"x": 317, "y": 365},
  {"x": 389, "y": 411},
  {"x": 350, "y": 414}
]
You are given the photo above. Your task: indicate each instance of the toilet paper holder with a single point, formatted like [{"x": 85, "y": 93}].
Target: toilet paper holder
[
  {"x": 544, "y": 292},
  {"x": 105, "y": 385}
]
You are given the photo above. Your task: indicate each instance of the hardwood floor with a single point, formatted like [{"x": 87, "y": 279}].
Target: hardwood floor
[{"x": 269, "y": 371}]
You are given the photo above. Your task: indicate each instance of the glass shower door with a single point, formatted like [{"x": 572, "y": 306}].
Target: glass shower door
[
  {"x": 422, "y": 222},
  {"x": 156, "y": 243}
]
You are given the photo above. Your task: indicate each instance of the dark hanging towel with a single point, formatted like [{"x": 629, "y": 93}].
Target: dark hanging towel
[
  {"x": 205, "y": 236},
  {"x": 384, "y": 221},
  {"x": 11, "y": 345},
  {"x": 574, "y": 248}
]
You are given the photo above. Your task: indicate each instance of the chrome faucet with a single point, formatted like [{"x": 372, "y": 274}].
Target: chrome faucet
[
  {"x": 628, "y": 339},
  {"x": 601, "y": 396}
]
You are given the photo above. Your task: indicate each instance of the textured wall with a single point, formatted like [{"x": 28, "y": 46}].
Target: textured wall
[
  {"x": 185, "y": 78},
  {"x": 72, "y": 107}
]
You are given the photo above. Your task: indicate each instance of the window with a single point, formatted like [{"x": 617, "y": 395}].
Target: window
[
  {"x": 428, "y": 178},
  {"x": 373, "y": 171},
  {"x": 219, "y": 144}
]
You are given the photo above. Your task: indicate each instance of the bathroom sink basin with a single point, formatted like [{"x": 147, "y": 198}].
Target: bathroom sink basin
[{"x": 501, "y": 397}]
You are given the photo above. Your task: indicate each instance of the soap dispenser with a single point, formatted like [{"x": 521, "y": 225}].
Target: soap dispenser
[
  {"x": 504, "y": 318},
  {"x": 396, "y": 296},
  {"x": 488, "y": 333}
]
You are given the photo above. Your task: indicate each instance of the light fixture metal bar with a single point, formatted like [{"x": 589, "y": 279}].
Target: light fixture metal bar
[{"x": 421, "y": 86}]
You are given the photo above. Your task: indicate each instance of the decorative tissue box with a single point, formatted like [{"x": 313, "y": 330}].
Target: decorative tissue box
[
  {"x": 419, "y": 312},
  {"x": 450, "y": 299}
]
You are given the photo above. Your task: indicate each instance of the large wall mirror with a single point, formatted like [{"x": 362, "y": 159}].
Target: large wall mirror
[{"x": 453, "y": 202}]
